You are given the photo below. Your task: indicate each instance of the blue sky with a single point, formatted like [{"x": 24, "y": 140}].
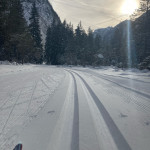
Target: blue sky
[{"x": 93, "y": 13}]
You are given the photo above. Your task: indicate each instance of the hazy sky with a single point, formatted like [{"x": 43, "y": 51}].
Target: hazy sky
[{"x": 93, "y": 13}]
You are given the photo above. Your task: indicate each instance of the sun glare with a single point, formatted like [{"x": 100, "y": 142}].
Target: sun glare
[{"x": 129, "y": 6}]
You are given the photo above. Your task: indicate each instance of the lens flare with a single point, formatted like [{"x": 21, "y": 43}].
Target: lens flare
[
  {"x": 129, "y": 6},
  {"x": 129, "y": 43}
]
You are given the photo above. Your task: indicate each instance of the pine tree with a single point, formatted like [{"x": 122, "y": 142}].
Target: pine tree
[
  {"x": 35, "y": 30},
  {"x": 13, "y": 23},
  {"x": 142, "y": 30},
  {"x": 48, "y": 46},
  {"x": 16, "y": 22},
  {"x": 4, "y": 13},
  {"x": 80, "y": 40},
  {"x": 18, "y": 44},
  {"x": 53, "y": 46},
  {"x": 144, "y": 6}
]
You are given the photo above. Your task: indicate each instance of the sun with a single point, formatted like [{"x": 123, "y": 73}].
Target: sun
[{"x": 129, "y": 6}]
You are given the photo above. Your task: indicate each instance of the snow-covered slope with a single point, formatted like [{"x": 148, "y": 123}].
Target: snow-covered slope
[{"x": 46, "y": 13}]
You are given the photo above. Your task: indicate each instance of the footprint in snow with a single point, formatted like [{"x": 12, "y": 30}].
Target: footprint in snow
[
  {"x": 123, "y": 116},
  {"x": 147, "y": 123},
  {"x": 51, "y": 112},
  {"x": 33, "y": 116}
]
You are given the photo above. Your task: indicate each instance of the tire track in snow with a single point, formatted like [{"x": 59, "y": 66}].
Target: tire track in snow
[{"x": 119, "y": 139}]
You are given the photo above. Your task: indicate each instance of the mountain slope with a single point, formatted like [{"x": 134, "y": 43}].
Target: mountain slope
[
  {"x": 46, "y": 13},
  {"x": 108, "y": 33},
  {"x": 103, "y": 31}
]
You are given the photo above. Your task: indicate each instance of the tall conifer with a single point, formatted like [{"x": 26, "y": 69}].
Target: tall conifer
[{"x": 34, "y": 26}]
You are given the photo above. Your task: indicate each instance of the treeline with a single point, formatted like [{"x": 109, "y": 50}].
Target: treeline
[
  {"x": 18, "y": 41},
  {"x": 64, "y": 45}
]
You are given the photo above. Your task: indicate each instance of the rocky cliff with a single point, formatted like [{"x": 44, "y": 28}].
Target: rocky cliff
[{"x": 47, "y": 15}]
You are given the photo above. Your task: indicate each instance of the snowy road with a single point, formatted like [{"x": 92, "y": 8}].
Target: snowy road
[{"x": 56, "y": 108}]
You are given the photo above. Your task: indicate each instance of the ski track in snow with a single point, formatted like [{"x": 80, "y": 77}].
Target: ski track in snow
[
  {"x": 64, "y": 124},
  {"x": 118, "y": 138},
  {"x": 66, "y": 132}
]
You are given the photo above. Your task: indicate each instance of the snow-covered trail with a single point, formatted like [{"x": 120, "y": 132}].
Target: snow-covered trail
[
  {"x": 86, "y": 111},
  {"x": 101, "y": 117}
]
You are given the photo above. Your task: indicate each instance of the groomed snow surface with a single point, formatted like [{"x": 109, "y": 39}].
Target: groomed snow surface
[
  {"x": 74, "y": 108},
  {"x": 24, "y": 91}
]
